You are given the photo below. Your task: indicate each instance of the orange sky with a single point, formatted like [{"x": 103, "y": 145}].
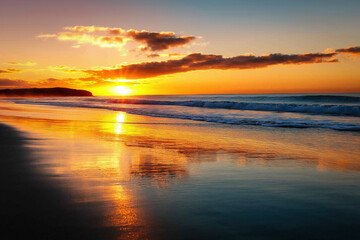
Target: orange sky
[{"x": 180, "y": 48}]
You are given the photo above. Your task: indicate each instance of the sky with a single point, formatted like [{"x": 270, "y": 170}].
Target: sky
[{"x": 114, "y": 47}]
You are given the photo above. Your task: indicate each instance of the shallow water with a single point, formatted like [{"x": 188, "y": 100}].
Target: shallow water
[
  {"x": 166, "y": 178},
  {"x": 330, "y": 111}
]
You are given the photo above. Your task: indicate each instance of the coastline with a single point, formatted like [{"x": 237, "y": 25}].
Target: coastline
[{"x": 32, "y": 206}]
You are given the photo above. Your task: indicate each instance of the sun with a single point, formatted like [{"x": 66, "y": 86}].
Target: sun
[{"x": 121, "y": 90}]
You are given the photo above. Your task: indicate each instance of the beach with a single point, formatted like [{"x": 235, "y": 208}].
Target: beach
[
  {"x": 180, "y": 120},
  {"x": 95, "y": 172}
]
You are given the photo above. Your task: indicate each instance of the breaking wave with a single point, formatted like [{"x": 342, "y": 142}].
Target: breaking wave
[
  {"x": 320, "y": 109},
  {"x": 230, "y": 109}
]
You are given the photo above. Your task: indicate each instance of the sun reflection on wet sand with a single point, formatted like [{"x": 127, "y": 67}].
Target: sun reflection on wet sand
[
  {"x": 94, "y": 174},
  {"x": 120, "y": 119},
  {"x": 187, "y": 141}
]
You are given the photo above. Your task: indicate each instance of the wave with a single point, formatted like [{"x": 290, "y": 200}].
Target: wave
[
  {"x": 226, "y": 117},
  {"x": 237, "y": 120},
  {"x": 219, "y": 118},
  {"x": 320, "y": 109},
  {"x": 302, "y": 98},
  {"x": 326, "y": 98}
]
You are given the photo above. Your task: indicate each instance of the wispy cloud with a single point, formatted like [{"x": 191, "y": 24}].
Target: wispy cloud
[
  {"x": 101, "y": 41},
  {"x": 10, "y": 70},
  {"x": 52, "y": 82},
  {"x": 107, "y": 37},
  {"x": 22, "y": 64},
  {"x": 166, "y": 55}
]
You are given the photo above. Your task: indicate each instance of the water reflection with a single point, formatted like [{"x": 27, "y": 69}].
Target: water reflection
[
  {"x": 160, "y": 171},
  {"x": 190, "y": 144},
  {"x": 120, "y": 119},
  {"x": 109, "y": 159}
]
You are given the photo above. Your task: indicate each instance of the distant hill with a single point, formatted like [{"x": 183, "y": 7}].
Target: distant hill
[{"x": 44, "y": 92}]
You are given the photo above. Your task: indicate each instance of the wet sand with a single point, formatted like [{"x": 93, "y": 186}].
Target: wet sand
[
  {"x": 33, "y": 206},
  {"x": 72, "y": 173}
]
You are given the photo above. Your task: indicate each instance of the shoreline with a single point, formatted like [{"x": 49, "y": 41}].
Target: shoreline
[
  {"x": 97, "y": 175},
  {"x": 33, "y": 206}
]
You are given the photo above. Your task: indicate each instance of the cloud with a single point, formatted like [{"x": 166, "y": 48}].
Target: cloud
[
  {"x": 69, "y": 82},
  {"x": 117, "y": 37},
  {"x": 22, "y": 64},
  {"x": 198, "y": 61},
  {"x": 138, "y": 73},
  {"x": 153, "y": 55},
  {"x": 349, "y": 50},
  {"x": 102, "y": 41},
  {"x": 132, "y": 74},
  {"x": 52, "y": 82},
  {"x": 95, "y": 29},
  {"x": 86, "y": 82},
  {"x": 10, "y": 70},
  {"x": 83, "y": 37},
  {"x": 176, "y": 55},
  {"x": 13, "y": 83},
  {"x": 155, "y": 41},
  {"x": 166, "y": 55},
  {"x": 65, "y": 82}
]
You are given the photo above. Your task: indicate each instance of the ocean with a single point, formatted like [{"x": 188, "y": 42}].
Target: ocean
[
  {"x": 331, "y": 111},
  {"x": 264, "y": 166}
]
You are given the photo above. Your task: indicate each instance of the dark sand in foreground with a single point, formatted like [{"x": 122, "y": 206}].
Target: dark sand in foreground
[{"x": 32, "y": 207}]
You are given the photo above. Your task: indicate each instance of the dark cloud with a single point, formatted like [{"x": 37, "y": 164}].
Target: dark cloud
[
  {"x": 154, "y": 55},
  {"x": 350, "y": 50},
  {"x": 155, "y": 41},
  {"x": 198, "y": 61}
]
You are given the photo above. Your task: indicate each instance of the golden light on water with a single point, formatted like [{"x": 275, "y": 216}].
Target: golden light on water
[
  {"x": 102, "y": 156},
  {"x": 120, "y": 119}
]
